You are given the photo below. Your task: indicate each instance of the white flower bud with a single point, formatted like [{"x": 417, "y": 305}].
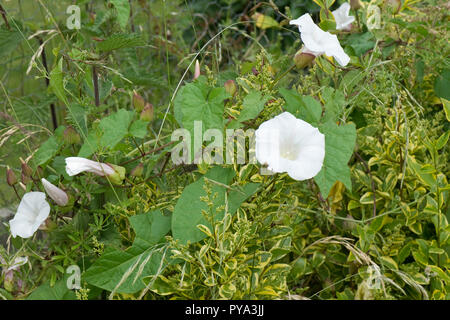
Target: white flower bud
[{"x": 58, "y": 195}]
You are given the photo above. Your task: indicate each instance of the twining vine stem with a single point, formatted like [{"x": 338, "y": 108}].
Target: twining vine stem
[{"x": 47, "y": 83}]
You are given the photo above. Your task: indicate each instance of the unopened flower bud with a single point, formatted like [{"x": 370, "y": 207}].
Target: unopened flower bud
[
  {"x": 148, "y": 112},
  {"x": 138, "y": 170},
  {"x": 303, "y": 59},
  {"x": 57, "y": 194},
  {"x": 197, "y": 70},
  {"x": 11, "y": 178},
  {"x": 26, "y": 170},
  {"x": 138, "y": 102},
  {"x": 230, "y": 87},
  {"x": 119, "y": 174},
  {"x": 24, "y": 178},
  {"x": 355, "y": 4},
  {"x": 71, "y": 136}
]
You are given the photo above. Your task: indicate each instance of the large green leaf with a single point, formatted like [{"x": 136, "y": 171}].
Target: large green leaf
[
  {"x": 150, "y": 228},
  {"x": 115, "y": 127},
  {"x": 123, "y": 11},
  {"x": 129, "y": 267},
  {"x": 58, "y": 291},
  {"x": 339, "y": 145},
  {"x": 91, "y": 143},
  {"x": 138, "y": 128},
  {"x": 46, "y": 151},
  {"x": 188, "y": 210},
  {"x": 49, "y": 148},
  {"x": 334, "y": 104},
  {"x": 142, "y": 259},
  {"x": 252, "y": 105},
  {"x": 304, "y": 107},
  {"x": 120, "y": 41},
  {"x": 199, "y": 102},
  {"x": 77, "y": 117},
  {"x": 9, "y": 40},
  {"x": 442, "y": 85},
  {"x": 361, "y": 42}
]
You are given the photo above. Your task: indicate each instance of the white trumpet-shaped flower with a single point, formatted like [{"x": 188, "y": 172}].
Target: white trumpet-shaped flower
[
  {"x": 33, "y": 210},
  {"x": 318, "y": 42},
  {"x": 57, "y": 194},
  {"x": 288, "y": 144},
  {"x": 76, "y": 165},
  {"x": 342, "y": 17}
]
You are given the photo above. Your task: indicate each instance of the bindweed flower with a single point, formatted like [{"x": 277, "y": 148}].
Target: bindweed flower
[
  {"x": 197, "y": 70},
  {"x": 318, "y": 42},
  {"x": 288, "y": 144},
  {"x": 76, "y": 165},
  {"x": 58, "y": 195},
  {"x": 33, "y": 210},
  {"x": 342, "y": 17}
]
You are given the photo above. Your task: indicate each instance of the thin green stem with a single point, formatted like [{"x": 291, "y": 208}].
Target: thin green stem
[{"x": 282, "y": 76}]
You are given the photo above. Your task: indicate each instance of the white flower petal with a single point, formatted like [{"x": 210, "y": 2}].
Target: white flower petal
[
  {"x": 311, "y": 35},
  {"x": 288, "y": 144},
  {"x": 319, "y": 42},
  {"x": 267, "y": 141},
  {"x": 342, "y": 17},
  {"x": 58, "y": 195},
  {"x": 76, "y": 165},
  {"x": 309, "y": 163},
  {"x": 33, "y": 210}
]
